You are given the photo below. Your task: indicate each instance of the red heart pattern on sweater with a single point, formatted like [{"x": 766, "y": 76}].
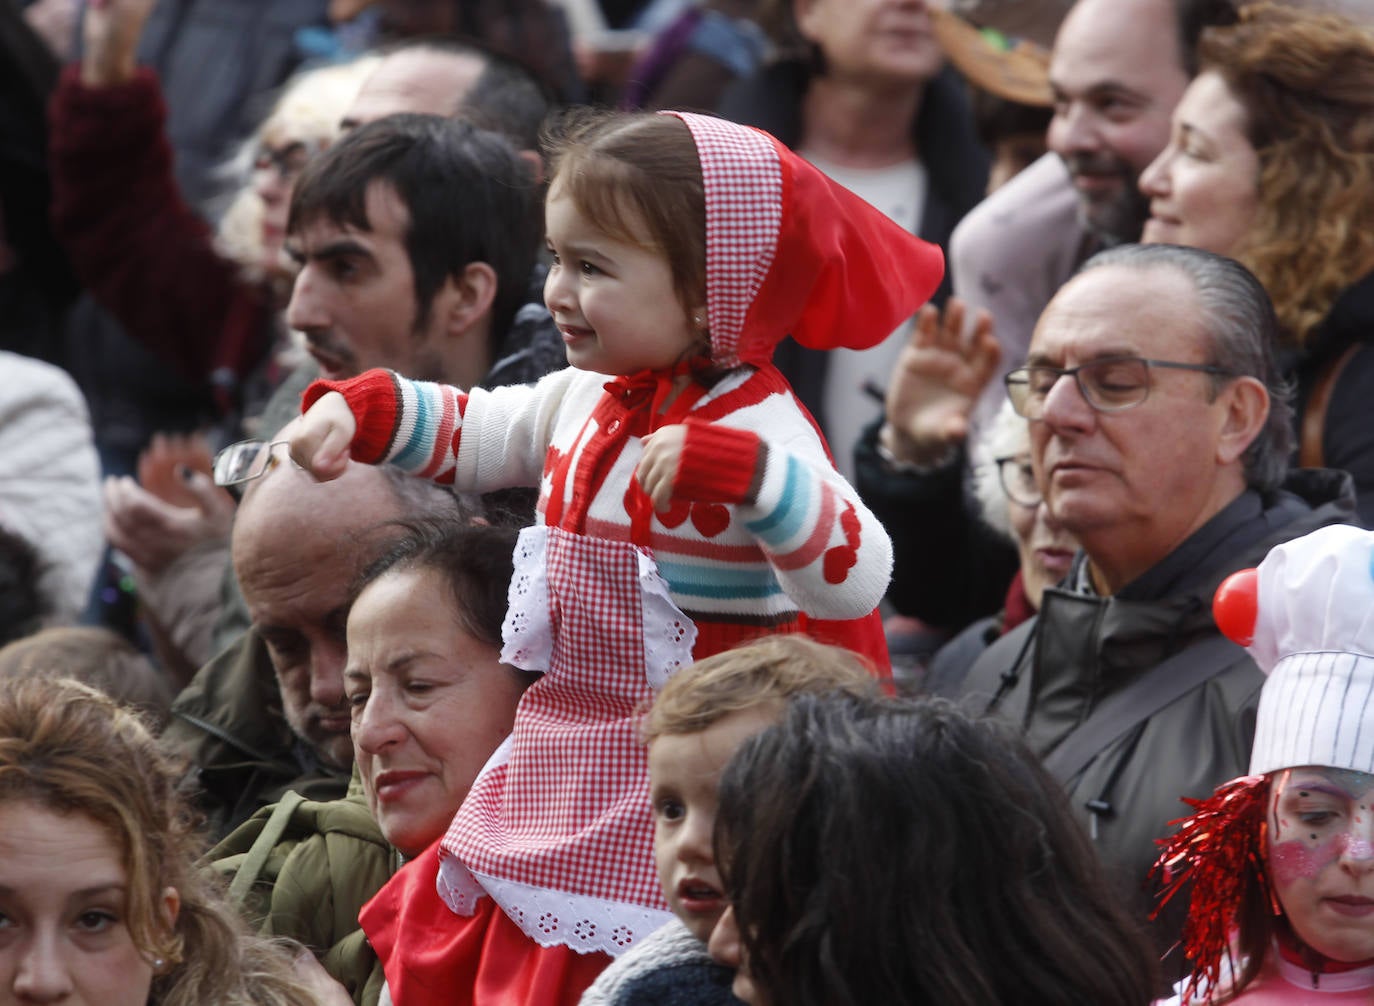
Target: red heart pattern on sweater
[{"x": 710, "y": 519}]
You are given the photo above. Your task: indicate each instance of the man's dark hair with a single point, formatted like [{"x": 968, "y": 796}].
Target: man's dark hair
[
  {"x": 475, "y": 562},
  {"x": 1193, "y": 17},
  {"x": 469, "y": 197}
]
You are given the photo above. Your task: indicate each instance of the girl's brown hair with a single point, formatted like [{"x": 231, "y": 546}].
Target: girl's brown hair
[
  {"x": 1306, "y": 81},
  {"x": 639, "y": 178}
]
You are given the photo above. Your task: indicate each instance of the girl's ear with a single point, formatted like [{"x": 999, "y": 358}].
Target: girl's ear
[
  {"x": 536, "y": 164},
  {"x": 699, "y": 319}
]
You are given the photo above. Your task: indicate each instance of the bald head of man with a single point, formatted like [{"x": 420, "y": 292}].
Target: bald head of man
[{"x": 297, "y": 547}]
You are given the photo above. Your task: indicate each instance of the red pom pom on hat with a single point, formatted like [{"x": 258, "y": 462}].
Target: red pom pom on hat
[{"x": 1235, "y": 606}]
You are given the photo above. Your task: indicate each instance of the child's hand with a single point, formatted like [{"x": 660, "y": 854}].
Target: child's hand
[
  {"x": 658, "y": 467},
  {"x": 321, "y": 438}
]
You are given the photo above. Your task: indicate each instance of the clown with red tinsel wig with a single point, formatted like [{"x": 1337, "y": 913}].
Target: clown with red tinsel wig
[{"x": 1281, "y": 862}]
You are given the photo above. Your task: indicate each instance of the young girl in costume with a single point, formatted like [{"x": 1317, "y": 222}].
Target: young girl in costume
[
  {"x": 1281, "y": 861},
  {"x": 687, "y": 503}
]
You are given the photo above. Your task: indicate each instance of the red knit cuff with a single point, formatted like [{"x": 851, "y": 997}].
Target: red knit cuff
[
  {"x": 720, "y": 464},
  {"x": 375, "y": 401}
]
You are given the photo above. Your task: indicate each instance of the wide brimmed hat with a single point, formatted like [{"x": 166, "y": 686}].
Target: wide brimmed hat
[{"x": 1013, "y": 69}]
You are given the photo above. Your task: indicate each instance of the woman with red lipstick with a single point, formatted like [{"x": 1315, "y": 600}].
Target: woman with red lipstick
[{"x": 1281, "y": 861}]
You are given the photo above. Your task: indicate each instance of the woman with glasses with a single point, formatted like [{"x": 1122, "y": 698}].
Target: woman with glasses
[
  {"x": 206, "y": 304},
  {"x": 1010, "y": 503},
  {"x": 912, "y": 469},
  {"x": 1272, "y": 163}
]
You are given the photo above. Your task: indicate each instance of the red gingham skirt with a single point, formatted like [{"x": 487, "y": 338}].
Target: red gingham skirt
[{"x": 557, "y": 827}]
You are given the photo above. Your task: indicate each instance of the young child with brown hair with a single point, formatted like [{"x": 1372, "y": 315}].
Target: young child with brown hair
[
  {"x": 687, "y": 504},
  {"x": 702, "y": 715}
]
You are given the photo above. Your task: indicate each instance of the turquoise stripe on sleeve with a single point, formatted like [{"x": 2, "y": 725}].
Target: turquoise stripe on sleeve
[
  {"x": 416, "y": 453},
  {"x": 723, "y": 584},
  {"x": 786, "y": 519}
]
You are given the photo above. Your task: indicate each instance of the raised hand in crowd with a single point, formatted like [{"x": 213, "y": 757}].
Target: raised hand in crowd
[
  {"x": 172, "y": 507},
  {"x": 111, "y": 30},
  {"x": 160, "y": 466},
  {"x": 55, "y": 23},
  {"x": 936, "y": 383}
]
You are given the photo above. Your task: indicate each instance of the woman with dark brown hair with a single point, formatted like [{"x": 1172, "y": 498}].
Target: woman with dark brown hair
[
  {"x": 903, "y": 853},
  {"x": 1272, "y": 163}
]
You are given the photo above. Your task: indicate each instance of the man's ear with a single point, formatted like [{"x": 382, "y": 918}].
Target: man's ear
[
  {"x": 468, "y": 297},
  {"x": 1246, "y": 401}
]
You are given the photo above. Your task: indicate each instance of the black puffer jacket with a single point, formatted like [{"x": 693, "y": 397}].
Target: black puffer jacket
[{"x": 1049, "y": 675}]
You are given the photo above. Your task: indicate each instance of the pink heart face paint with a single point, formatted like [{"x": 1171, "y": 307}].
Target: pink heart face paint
[{"x": 1321, "y": 858}]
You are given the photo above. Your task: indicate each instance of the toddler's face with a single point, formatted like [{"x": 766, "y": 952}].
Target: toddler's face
[
  {"x": 683, "y": 772},
  {"x": 613, "y": 301}
]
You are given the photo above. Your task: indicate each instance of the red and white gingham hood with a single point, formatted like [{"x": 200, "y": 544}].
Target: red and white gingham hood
[{"x": 789, "y": 252}]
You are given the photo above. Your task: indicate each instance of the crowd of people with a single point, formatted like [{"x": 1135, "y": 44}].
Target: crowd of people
[{"x": 687, "y": 501}]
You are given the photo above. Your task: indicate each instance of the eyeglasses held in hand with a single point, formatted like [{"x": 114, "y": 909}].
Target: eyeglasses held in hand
[
  {"x": 1111, "y": 384},
  {"x": 245, "y": 461}
]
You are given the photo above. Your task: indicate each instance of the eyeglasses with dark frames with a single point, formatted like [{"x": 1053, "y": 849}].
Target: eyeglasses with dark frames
[
  {"x": 1110, "y": 384},
  {"x": 1018, "y": 480}
]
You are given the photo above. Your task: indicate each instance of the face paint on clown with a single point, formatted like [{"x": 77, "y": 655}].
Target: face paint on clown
[{"x": 1321, "y": 858}]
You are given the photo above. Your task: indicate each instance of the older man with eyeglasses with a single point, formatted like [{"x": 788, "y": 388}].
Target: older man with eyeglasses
[{"x": 1160, "y": 438}]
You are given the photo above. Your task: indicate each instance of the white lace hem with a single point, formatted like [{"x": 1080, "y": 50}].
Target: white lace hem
[{"x": 551, "y": 918}]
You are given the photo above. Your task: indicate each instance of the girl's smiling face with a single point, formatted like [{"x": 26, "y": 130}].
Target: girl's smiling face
[
  {"x": 1321, "y": 858},
  {"x": 614, "y": 301}
]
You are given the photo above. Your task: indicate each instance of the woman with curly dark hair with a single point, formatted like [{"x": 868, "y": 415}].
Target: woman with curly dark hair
[
  {"x": 1272, "y": 163},
  {"x": 903, "y": 853}
]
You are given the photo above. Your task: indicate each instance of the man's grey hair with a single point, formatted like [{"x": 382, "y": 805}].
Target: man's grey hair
[
  {"x": 420, "y": 498},
  {"x": 1239, "y": 318}
]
